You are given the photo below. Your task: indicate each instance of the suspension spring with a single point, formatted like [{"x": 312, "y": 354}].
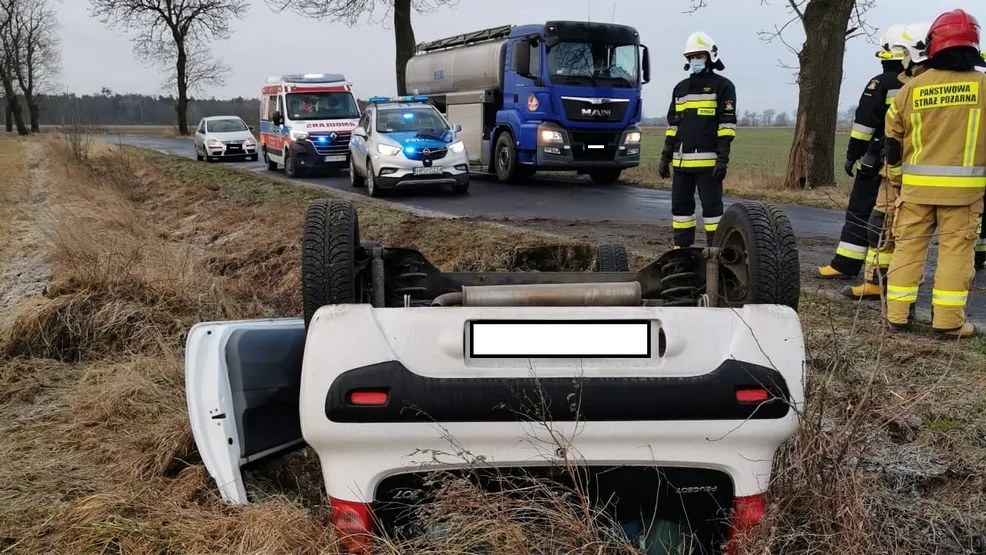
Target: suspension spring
[{"x": 678, "y": 283}]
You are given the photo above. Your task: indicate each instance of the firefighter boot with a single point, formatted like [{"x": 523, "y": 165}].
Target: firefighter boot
[
  {"x": 968, "y": 329},
  {"x": 828, "y": 272},
  {"x": 865, "y": 291}
]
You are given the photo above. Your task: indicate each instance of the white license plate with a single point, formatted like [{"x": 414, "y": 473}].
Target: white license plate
[
  {"x": 433, "y": 170},
  {"x": 560, "y": 339},
  {"x": 597, "y": 146},
  {"x": 336, "y": 158}
]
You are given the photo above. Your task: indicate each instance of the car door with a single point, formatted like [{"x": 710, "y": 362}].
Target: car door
[
  {"x": 358, "y": 145},
  {"x": 242, "y": 387}
]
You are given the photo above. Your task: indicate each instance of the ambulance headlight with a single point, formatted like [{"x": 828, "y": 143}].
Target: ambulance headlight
[{"x": 299, "y": 135}]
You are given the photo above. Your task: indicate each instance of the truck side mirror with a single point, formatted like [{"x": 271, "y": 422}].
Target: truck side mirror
[
  {"x": 521, "y": 59},
  {"x": 645, "y": 65},
  {"x": 278, "y": 119}
]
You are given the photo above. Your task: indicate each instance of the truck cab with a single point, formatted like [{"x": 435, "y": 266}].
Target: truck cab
[
  {"x": 306, "y": 121},
  {"x": 558, "y": 96}
]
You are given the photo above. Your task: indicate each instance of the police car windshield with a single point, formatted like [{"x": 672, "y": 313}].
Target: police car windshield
[
  {"x": 418, "y": 118},
  {"x": 322, "y": 105},
  {"x": 225, "y": 125},
  {"x": 585, "y": 63}
]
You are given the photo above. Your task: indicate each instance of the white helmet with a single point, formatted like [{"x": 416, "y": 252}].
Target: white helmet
[
  {"x": 891, "y": 38},
  {"x": 914, "y": 43},
  {"x": 701, "y": 42}
]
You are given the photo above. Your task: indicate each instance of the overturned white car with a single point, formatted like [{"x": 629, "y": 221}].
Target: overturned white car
[{"x": 673, "y": 386}]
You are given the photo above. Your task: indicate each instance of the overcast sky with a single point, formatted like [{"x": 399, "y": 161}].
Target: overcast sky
[{"x": 266, "y": 44}]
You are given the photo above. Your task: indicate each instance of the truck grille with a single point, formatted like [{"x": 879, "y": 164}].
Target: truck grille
[
  {"x": 434, "y": 154},
  {"x": 580, "y": 110},
  {"x": 325, "y": 145},
  {"x": 582, "y": 139}
]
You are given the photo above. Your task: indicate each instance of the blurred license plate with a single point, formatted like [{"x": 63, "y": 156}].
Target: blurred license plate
[
  {"x": 433, "y": 170},
  {"x": 560, "y": 339},
  {"x": 336, "y": 158}
]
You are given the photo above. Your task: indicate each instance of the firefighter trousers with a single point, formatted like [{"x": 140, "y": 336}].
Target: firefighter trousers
[
  {"x": 880, "y": 237},
  {"x": 684, "y": 220},
  {"x": 913, "y": 227},
  {"x": 850, "y": 254}
]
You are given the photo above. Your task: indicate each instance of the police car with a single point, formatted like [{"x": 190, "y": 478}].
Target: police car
[{"x": 405, "y": 142}]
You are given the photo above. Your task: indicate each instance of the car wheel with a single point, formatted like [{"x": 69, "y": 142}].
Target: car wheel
[
  {"x": 505, "y": 158},
  {"x": 371, "y": 180},
  {"x": 355, "y": 179},
  {"x": 271, "y": 165},
  {"x": 461, "y": 188},
  {"x": 605, "y": 177},
  {"x": 198, "y": 156},
  {"x": 611, "y": 257},
  {"x": 759, "y": 259},
  {"x": 328, "y": 256},
  {"x": 254, "y": 157}
]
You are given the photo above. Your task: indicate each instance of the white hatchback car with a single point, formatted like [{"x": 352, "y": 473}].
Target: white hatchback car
[
  {"x": 674, "y": 409},
  {"x": 222, "y": 137}
]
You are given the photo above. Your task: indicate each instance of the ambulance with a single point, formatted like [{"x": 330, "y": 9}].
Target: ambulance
[{"x": 306, "y": 121}]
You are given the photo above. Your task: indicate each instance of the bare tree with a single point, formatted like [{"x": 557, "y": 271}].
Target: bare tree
[
  {"x": 351, "y": 12},
  {"x": 32, "y": 43},
  {"x": 827, "y": 25},
  {"x": 8, "y": 58},
  {"x": 173, "y": 34},
  {"x": 768, "y": 117},
  {"x": 782, "y": 120}
]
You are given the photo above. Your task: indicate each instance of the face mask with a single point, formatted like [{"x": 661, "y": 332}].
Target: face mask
[{"x": 697, "y": 66}]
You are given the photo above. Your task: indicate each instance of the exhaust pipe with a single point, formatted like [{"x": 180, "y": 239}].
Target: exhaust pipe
[{"x": 554, "y": 294}]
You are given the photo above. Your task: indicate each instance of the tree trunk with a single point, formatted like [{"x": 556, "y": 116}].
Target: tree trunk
[
  {"x": 9, "y": 113},
  {"x": 404, "y": 40},
  {"x": 34, "y": 111},
  {"x": 13, "y": 105},
  {"x": 811, "y": 162},
  {"x": 181, "y": 79}
]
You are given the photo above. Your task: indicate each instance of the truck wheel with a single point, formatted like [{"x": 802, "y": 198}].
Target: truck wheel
[
  {"x": 606, "y": 177},
  {"x": 328, "y": 256},
  {"x": 505, "y": 158},
  {"x": 611, "y": 257},
  {"x": 760, "y": 261}
]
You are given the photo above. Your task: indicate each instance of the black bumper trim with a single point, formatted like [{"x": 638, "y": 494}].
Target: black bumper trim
[
  {"x": 410, "y": 180},
  {"x": 416, "y": 398},
  {"x": 304, "y": 152}
]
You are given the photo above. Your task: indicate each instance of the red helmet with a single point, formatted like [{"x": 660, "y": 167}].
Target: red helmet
[{"x": 951, "y": 29}]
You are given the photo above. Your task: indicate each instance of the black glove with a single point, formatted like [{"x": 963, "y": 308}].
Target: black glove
[
  {"x": 850, "y": 166},
  {"x": 664, "y": 168},
  {"x": 869, "y": 166},
  {"x": 719, "y": 172}
]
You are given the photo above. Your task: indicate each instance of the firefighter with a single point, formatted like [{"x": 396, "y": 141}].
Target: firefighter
[
  {"x": 701, "y": 128},
  {"x": 880, "y": 236},
  {"x": 864, "y": 155},
  {"x": 935, "y": 133}
]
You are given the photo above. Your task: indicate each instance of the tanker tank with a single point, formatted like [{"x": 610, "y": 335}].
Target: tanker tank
[{"x": 474, "y": 67}]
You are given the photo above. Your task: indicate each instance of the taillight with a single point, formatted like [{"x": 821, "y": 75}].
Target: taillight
[
  {"x": 747, "y": 512},
  {"x": 352, "y": 520}
]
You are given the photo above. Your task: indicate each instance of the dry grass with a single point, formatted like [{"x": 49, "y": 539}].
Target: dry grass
[{"x": 98, "y": 456}]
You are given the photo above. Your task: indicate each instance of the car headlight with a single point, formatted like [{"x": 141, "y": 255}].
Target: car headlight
[
  {"x": 248, "y": 142},
  {"x": 215, "y": 143},
  {"x": 388, "y": 150},
  {"x": 298, "y": 135},
  {"x": 457, "y": 146},
  {"x": 633, "y": 137},
  {"x": 550, "y": 136}
]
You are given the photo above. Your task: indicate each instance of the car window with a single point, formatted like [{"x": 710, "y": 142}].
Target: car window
[
  {"x": 229, "y": 125},
  {"x": 417, "y": 118}
]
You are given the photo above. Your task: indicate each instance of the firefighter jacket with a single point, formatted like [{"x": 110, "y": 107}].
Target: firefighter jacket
[
  {"x": 868, "y": 127},
  {"x": 936, "y": 138},
  {"x": 701, "y": 122}
]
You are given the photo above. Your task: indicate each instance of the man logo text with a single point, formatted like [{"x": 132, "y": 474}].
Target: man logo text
[{"x": 596, "y": 113}]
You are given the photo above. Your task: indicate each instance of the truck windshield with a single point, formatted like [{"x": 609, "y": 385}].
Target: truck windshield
[
  {"x": 397, "y": 120},
  {"x": 321, "y": 105},
  {"x": 589, "y": 63}
]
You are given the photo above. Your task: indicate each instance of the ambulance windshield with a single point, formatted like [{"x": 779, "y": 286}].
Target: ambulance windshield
[{"x": 321, "y": 105}]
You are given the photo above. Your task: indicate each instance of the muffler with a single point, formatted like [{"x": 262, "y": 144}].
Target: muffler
[{"x": 626, "y": 293}]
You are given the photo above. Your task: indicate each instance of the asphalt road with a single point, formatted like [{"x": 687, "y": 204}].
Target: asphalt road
[{"x": 557, "y": 199}]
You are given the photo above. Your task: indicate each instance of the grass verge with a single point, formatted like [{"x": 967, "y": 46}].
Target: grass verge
[{"x": 98, "y": 456}]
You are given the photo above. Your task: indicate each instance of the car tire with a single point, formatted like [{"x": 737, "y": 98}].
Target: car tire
[
  {"x": 505, "y": 158},
  {"x": 328, "y": 256},
  {"x": 371, "y": 180},
  {"x": 254, "y": 157},
  {"x": 271, "y": 165},
  {"x": 758, "y": 247},
  {"x": 606, "y": 177},
  {"x": 611, "y": 257},
  {"x": 355, "y": 179},
  {"x": 461, "y": 188},
  {"x": 198, "y": 156}
]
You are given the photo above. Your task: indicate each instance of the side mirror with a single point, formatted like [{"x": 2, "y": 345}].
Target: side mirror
[
  {"x": 521, "y": 58},
  {"x": 645, "y": 65},
  {"x": 456, "y": 128},
  {"x": 278, "y": 119},
  {"x": 359, "y": 132},
  {"x": 250, "y": 127}
]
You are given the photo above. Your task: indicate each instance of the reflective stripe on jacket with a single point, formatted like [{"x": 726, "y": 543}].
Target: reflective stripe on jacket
[{"x": 937, "y": 117}]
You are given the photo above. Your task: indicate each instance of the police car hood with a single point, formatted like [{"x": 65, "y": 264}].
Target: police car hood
[{"x": 421, "y": 139}]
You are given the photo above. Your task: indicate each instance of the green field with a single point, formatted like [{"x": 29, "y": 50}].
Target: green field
[{"x": 758, "y": 162}]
